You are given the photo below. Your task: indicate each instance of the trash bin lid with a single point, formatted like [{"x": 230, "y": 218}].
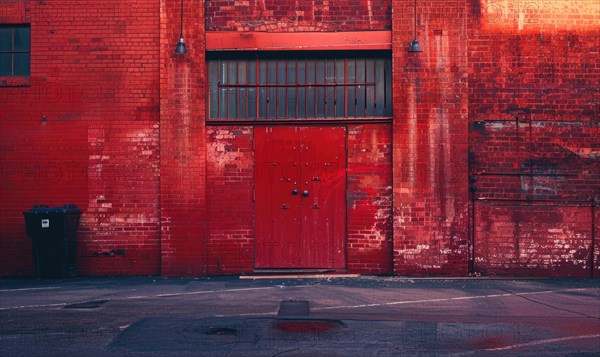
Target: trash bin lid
[{"x": 67, "y": 208}]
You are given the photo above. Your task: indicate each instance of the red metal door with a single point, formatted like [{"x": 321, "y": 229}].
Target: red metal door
[{"x": 300, "y": 178}]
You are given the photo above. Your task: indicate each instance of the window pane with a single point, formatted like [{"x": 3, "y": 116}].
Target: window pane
[
  {"x": 340, "y": 105},
  {"x": 232, "y": 100},
  {"x": 251, "y": 72},
  {"x": 262, "y": 72},
  {"x": 242, "y": 92},
  {"x": 281, "y": 91},
  {"x": 380, "y": 87},
  {"x": 271, "y": 102},
  {"x": 251, "y": 102},
  {"x": 291, "y": 91},
  {"x": 320, "y": 71},
  {"x": 339, "y": 90},
  {"x": 302, "y": 102},
  {"x": 223, "y": 90},
  {"x": 5, "y": 64},
  {"x": 302, "y": 90},
  {"x": 370, "y": 88},
  {"x": 223, "y": 72},
  {"x": 291, "y": 102},
  {"x": 242, "y": 102},
  {"x": 222, "y": 102},
  {"x": 330, "y": 71},
  {"x": 262, "y": 92},
  {"x": 310, "y": 102},
  {"x": 232, "y": 71},
  {"x": 361, "y": 91},
  {"x": 329, "y": 101},
  {"x": 271, "y": 93},
  {"x": 22, "y": 39},
  {"x": 310, "y": 71},
  {"x": 21, "y": 64},
  {"x": 232, "y": 91},
  {"x": 5, "y": 39},
  {"x": 271, "y": 72},
  {"x": 311, "y": 92},
  {"x": 213, "y": 76},
  {"x": 329, "y": 91},
  {"x": 351, "y": 98},
  {"x": 262, "y": 102},
  {"x": 388, "y": 87},
  {"x": 320, "y": 104},
  {"x": 301, "y": 71}
]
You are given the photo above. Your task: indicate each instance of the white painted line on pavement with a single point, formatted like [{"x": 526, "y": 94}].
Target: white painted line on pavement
[
  {"x": 248, "y": 314},
  {"x": 31, "y": 306},
  {"x": 214, "y": 291},
  {"x": 445, "y": 299},
  {"x": 145, "y": 297},
  {"x": 543, "y": 342},
  {"x": 27, "y": 289}
]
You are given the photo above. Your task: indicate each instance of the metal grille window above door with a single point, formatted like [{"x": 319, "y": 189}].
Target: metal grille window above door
[{"x": 299, "y": 85}]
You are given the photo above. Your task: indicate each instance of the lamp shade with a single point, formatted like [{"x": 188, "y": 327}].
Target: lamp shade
[
  {"x": 180, "y": 49},
  {"x": 414, "y": 46}
]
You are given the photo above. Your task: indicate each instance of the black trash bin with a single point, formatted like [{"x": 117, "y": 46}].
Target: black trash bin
[{"x": 53, "y": 233}]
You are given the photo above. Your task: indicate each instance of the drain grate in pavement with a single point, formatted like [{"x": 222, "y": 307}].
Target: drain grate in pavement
[
  {"x": 86, "y": 305},
  {"x": 294, "y": 308}
]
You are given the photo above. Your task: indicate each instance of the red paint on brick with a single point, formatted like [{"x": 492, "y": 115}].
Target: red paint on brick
[
  {"x": 183, "y": 144},
  {"x": 532, "y": 240},
  {"x": 98, "y": 147},
  {"x": 297, "y": 15},
  {"x": 229, "y": 186},
  {"x": 125, "y": 140},
  {"x": 294, "y": 41},
  {"x": 369, "y": 199},
  {"x": 536, "y": 167},
  {"x": 430, "y": 146}
]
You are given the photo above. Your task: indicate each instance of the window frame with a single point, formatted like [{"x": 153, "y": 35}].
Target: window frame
[
  {"x": 12, "y": 52},
  {"x": 325, "y": 87}
]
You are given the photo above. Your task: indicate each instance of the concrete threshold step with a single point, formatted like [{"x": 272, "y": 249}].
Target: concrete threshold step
[{"x": 297, "y": 274}]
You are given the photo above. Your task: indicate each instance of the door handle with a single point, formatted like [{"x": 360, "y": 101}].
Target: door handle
[
  {"x": 294, "y": 192},
  {"x": 305, "y": 193}
]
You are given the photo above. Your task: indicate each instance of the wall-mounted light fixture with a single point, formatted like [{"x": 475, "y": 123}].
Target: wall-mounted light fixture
[
  {"x": 180, "y": 49},
  {"x": 414, "y": 45}
]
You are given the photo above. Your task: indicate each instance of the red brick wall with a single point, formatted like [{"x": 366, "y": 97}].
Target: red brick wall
[
  {"x": 229, "y": 197},
  {"x": 94, "y": 76},
  {"x": 124, "y": 137},
  {"x": 182, "y": 141},
  {"x": 536, "y": 168},
  {"x": 369, "y": 199},
  {"x": 297, "y": 15},
  {"x": 533, "y": 240},
  {"x": 430, "y": 138}
]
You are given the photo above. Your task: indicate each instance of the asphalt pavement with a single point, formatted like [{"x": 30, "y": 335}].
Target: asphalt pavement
[{"x": 353, "y": 316}]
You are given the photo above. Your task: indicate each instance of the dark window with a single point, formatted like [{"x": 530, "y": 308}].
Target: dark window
[
  {"x": 15, "y": 50},
  {"x": 300, "y": 85}
]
